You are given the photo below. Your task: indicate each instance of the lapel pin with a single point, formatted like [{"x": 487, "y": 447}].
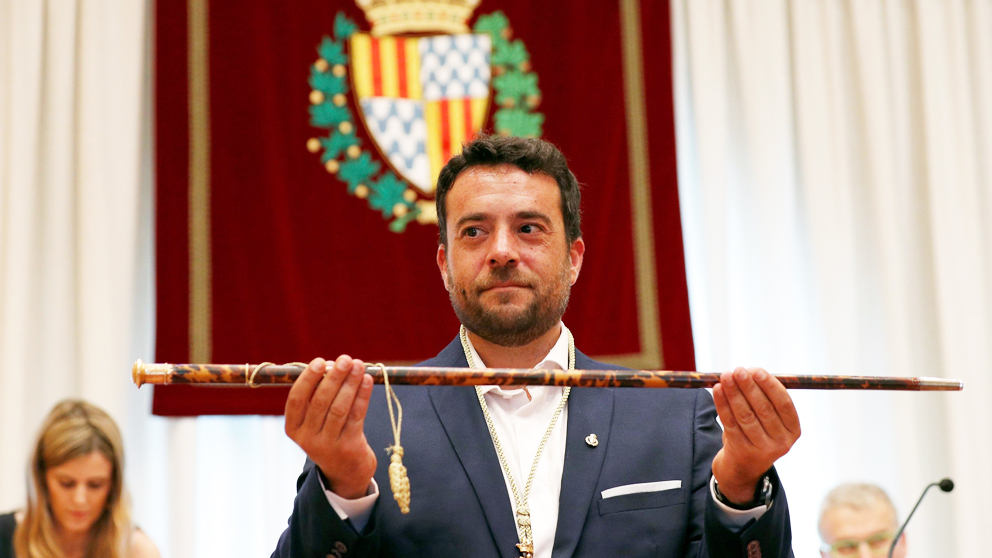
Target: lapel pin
[{"x": 592, "y": 440}]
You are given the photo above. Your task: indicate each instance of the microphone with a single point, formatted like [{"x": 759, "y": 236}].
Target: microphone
[{"x": 946, "y": 485}]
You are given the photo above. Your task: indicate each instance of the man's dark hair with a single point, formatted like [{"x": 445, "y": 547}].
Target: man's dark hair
[{"x": 530, "y": 155}]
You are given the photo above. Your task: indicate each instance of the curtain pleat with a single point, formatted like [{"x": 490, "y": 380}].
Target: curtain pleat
[{"x": 834, "y": 174}]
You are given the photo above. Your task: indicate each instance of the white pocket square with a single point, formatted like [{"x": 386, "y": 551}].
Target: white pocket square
[{"x": 641, "y": 487}]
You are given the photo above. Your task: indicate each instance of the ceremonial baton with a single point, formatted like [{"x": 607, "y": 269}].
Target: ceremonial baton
[
  {"x": 259, "y": 375},
  {"x": 268, "y": 374}
]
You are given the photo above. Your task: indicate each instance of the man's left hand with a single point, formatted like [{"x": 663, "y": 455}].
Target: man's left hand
[{"x": 760, "y": 424}]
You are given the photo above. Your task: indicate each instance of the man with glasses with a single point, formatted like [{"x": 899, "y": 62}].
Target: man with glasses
[{"x": 859, "y": 521}]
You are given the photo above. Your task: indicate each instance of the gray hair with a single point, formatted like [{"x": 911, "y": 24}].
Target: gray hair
[{"x": 856, "y": 496}]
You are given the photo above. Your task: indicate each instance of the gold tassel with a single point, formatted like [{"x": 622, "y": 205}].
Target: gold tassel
[{"x": 399, "y": 482}]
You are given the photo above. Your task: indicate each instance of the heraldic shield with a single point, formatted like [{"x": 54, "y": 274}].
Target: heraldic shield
[
  {"x": 421, "y": 81},
  {"x": 421, "y": 98}
]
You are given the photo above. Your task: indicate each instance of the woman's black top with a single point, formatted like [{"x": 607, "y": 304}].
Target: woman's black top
[{"x": 7, "y": 526}]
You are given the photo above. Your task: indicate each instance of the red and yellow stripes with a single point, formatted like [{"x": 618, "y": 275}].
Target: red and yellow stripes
[
  {"x": 390, "y": 67},
  {"x": 450, "y": 123},
  {"x": 385, "y": 66}
]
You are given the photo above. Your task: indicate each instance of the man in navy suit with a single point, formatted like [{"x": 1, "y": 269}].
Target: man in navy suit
[{"x": 543, "y": 472}]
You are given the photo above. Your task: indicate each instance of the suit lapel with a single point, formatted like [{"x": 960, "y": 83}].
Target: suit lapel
[
  {"x": 590, "y": 411},
  {"x": 463, "y": 422}
]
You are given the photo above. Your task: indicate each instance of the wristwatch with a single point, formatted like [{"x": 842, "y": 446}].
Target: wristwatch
[{"x": 762, "y": 495}]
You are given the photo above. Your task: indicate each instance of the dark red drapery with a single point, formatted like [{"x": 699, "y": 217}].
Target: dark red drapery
[{"x": 300, "y": 268}]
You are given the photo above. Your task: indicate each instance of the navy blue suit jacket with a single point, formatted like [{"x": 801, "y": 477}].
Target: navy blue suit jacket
[{"x": 459, "y": 502}]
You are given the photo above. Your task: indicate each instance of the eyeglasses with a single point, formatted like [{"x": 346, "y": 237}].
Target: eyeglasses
[{"x": 878, "y": 545}]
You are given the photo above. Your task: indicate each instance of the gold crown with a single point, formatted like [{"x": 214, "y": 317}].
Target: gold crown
[{"x": 396, "y": 17}]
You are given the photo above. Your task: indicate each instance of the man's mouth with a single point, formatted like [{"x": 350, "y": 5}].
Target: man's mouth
[{"x": 504, "y": 286}]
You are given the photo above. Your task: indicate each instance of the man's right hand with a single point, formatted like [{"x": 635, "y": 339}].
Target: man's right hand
[{"x": 325, "y": 415}]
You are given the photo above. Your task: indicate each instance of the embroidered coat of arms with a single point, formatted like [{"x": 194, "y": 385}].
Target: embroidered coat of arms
[{"x": 422, "y": 83}]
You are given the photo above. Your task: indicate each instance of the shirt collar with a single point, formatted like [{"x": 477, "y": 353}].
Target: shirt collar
[{"x": 557, "y": 357}]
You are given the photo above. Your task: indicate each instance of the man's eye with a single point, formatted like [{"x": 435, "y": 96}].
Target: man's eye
[
  {"x": 527, "y": 229},
  {"x": 847, "y": 548},
  {"x": 68, "y": 484},
  {"x": 471, "y": 232}
]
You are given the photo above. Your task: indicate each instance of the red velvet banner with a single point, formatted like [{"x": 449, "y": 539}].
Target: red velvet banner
[{"x": 263, "y": 254}]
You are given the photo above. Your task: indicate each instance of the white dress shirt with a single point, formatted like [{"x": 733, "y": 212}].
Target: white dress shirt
[{"x": 520, "y": 423}]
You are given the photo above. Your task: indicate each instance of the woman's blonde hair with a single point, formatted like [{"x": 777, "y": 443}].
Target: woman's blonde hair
[{"x": 74, "y": 429}]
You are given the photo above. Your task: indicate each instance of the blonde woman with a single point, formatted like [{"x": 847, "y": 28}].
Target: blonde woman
[{"x": 77, "y": 506}]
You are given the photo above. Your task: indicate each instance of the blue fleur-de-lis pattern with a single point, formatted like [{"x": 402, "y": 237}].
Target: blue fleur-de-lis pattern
[
  {"x": 455, "y": 66},
  {"x": 399, "y": 129}
]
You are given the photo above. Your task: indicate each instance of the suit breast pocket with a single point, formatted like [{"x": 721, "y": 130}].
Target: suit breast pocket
[{"x": 642, "y": 501}]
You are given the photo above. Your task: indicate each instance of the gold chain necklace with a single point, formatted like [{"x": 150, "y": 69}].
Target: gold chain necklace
[{"x": 526, "y": 545}]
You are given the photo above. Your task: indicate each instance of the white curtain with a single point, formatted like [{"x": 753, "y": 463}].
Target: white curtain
[
  {"x": 75, "y": 226},
  {"x": 77, "y": 282},
  {"x": 835, "y": 169}
]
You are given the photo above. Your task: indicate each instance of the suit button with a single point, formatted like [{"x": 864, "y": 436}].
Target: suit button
[{"x": 753, "y": 549}]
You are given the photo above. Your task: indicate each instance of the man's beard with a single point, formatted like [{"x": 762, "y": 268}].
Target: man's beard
[{"x": 517, "y": 328}]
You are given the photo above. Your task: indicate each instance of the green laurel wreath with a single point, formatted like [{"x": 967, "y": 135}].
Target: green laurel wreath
[
  {"x": 341, "y": 149},
  {"x": 515, "y": 84}
]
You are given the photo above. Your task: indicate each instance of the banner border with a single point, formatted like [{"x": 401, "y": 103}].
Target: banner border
[
  {"x": 200, "y": 273},
  {"x": 200, "y": 260}
]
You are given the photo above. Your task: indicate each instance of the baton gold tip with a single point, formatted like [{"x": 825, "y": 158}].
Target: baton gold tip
[
  {"x": 151, "y": 373},
  {"x": 138, "y": 372}
]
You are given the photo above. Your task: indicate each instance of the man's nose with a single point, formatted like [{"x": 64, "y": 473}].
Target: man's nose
[
  {"x": 864, "y": 551},
  {"x": 503, "y": 250}
]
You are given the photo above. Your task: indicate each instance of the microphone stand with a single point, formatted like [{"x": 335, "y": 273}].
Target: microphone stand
[{"x": 946, "y": 485}]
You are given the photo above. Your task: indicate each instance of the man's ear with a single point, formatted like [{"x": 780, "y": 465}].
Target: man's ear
[
  {"x": 442, "y": 265},
  {"x": 575, "y": 254}
]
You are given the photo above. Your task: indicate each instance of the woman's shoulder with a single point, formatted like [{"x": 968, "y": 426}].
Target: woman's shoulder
[
  {"x": 142, "y": 546},
  {"x": 8, "y": 523}
]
